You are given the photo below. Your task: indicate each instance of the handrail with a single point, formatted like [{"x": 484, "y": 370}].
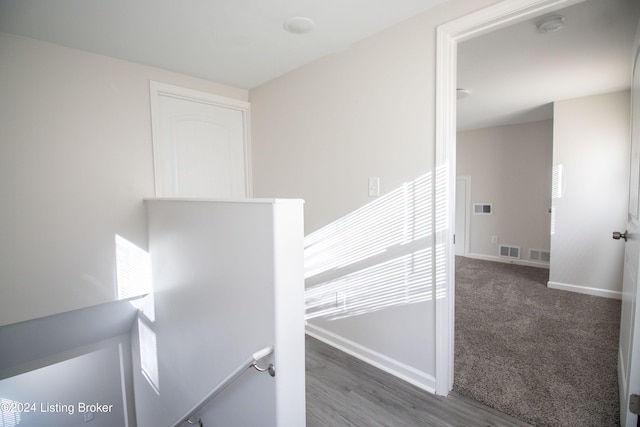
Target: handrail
[{"x": 250, "y": 362}]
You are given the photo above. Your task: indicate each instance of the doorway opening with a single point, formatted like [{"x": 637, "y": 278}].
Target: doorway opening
[{"x": 449, "y": 36}]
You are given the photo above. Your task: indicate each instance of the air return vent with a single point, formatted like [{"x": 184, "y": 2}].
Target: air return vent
[
  {"x": 482, "y": 208},
  {"x": 539, "y": 255},
  {"x": 510, "y": 251}
]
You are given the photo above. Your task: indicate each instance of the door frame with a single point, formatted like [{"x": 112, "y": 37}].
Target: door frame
[
  {"x": 448, "y": 36},
  {"x": 157, "y": 89}
]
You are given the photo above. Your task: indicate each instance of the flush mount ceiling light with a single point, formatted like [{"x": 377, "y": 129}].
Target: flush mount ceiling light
[
  {"x": 299, "y": 25},
  {"x": 462, "y": 93},
  {"x": 550, "y": 24}
]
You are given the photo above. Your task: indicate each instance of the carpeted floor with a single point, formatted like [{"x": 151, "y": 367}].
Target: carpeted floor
[{"x": 545, "y": 356}]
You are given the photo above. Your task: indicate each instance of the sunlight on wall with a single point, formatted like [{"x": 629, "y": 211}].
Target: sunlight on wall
[
  {"x": 557, "y": 191},
  {"x": 149, "y": 354},
  {"x": 401, "y": 281},
  {"x": 10, "y": 412},
  {"x": 133, "y": 269},
  {"x": 442, "y": 190},
  {"x": 377, "y": 257},
  {"x": 133, "y": 276}
]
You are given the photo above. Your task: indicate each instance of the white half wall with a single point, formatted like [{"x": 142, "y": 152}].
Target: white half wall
[
  {"x": 591, "y": 142},
  {"x": 75, "y": 163},
  {"x": 227, "y": 282}
]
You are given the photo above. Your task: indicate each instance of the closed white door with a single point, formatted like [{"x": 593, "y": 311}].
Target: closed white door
[
  {"x": 199, "y": 144},
  {"x": 629, "y": 351}
]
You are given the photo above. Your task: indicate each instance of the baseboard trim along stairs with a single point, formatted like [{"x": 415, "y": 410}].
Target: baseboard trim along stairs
[{"x": 394, "y": 367}]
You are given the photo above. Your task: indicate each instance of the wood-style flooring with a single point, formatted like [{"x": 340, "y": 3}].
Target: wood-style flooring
[{"x": 344, "y": 391}]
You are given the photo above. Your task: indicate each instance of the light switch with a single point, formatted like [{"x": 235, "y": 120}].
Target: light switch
[{"x": 374, "y": 186}]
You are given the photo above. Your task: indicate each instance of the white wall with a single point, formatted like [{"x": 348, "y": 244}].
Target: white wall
[
  {"x": 319, "y": 133},
  {"x": 228, "y": 281},
  {"x": 75, "y": 164},
  {"x": 510, "y": 167},
  {"x": 592, "y": 142},
  {"x": 59, "y": 394}
]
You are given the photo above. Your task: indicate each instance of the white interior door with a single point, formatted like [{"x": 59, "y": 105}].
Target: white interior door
[
  {"x": 199, "y": 144},
  {"x": 462, "y": 189},
  {"x": 629, "y": 350}
]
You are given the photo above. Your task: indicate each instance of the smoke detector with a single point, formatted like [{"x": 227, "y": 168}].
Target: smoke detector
[{"x": 550, "y": 24}]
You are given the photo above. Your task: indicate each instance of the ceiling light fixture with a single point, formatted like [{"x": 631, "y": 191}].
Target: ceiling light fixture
[
  {"x": 462, "y": 93},
  {"x": 550, "y": 24},
  {"x": 299, "y": 25}
]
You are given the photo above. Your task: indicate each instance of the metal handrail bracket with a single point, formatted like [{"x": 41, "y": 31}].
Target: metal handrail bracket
[{"x": 251, "y": 362}]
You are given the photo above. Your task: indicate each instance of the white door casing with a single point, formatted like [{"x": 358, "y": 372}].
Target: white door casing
[
  {"x": 200, "y": 144},
  {"x": 628, "y": 366}
]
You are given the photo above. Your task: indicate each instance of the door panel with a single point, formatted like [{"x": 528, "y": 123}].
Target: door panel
[
  {"x": 629, "y": 350},
  {"x": 202, "y": 161},
  {"x": 199, "y": 148}
]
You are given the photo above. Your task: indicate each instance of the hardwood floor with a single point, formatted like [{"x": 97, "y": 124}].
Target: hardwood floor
[{"x": 344, "y": 391}]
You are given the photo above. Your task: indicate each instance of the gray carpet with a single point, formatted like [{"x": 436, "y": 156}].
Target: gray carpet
[{"x": 545, "y": 356}]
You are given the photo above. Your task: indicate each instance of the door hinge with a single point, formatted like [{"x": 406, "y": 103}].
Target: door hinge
[
  {"x": 634, "y": 404},
  {"x": 454, "y": 239}
]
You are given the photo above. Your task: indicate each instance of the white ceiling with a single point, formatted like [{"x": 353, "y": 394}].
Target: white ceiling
[
  {"x": 241, "y": 43},
  {"x": 515, "y": 73}
]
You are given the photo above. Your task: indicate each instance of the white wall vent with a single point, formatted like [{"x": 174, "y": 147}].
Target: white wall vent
[
  {"x": 509, "y": 251},
  {"x": 539, "y": 255},
  {"x": 482, "y": 208}
]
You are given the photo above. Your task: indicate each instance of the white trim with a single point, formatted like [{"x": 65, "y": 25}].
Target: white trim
[
  {"x": 585, "y": 290},
  {"x": 445, "y": 154},
  {"x": 504, "y": 260},
  {"x": 448, "y": 36},
  {"x": 467, "y": 211},
  {"x": 403, "y": 371},
  {"x": 156, "y": 89},
  {"x": 622, "y": 379}
]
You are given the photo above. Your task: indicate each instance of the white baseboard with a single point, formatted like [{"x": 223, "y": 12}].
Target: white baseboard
[
  {"x": 508, "y": 260},
  {"x": 585, "y": 290},
  {"x": 398, "y": 369}
]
